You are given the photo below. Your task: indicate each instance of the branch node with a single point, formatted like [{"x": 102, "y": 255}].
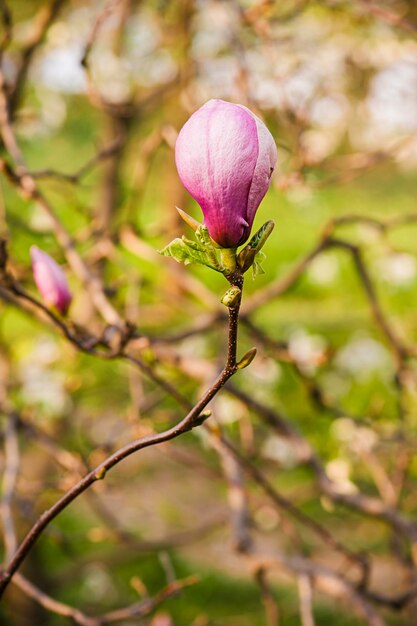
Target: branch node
[{"x": 100, "y": 474}]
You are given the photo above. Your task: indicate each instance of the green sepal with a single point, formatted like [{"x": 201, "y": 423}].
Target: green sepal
[
  {"x": 257, "y": 268},
  {"x": 203, "y": 237},
  {"x": 206, "y": 242},
  {"x": 248, "y": 255},
  {"x": 192, "y": 223}
]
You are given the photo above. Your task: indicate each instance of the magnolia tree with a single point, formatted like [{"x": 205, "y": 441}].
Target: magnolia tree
[{"x": 147, "y": 454}]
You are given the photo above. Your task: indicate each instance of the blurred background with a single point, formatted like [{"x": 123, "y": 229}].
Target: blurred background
[{"x": 94, "y": 94}]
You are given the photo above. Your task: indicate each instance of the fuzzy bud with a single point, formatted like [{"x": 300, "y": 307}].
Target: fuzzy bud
[{"x": 50, "y": 280}]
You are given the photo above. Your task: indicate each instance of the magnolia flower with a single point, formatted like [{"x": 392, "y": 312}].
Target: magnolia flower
[
  {"x": 50, "y": 280},
  {"x": 225, "y": 157}
]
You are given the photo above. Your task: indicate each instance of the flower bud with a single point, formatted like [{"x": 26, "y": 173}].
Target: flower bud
[
  {"x": 225, "y": 157},
  {"x": 50, "y": 280}
]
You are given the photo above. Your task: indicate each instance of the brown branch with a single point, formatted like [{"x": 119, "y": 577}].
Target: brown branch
[
  {"x": 109, "y": 8},
  {"x": 269, "y": 602},
  {"x": 7, "y": 23},
  {"x": 138, "y": 609},
  {"x": 115, "y": 127},
  {"x": 190, "y": 421},
  {"x": 9, "y": 482},
  {"x": 365, "y": 504},
  {"x": 41, "y": 23},
  {"x": 400, "y": 350},
  {"x": 237, "y": 497},
  {"x": 52, "y": 605},
  {"x": 148, "y": 605},
  {"x": 11, "y": 470},
  {"x": 194, "y": 418},
  {"x": 102, "y": 155},
  {"x": 324, "y": 580},
  {"x": 369, "y": 506},
  {"x": 380, "y": 224},
  {"x": 306, "y": 597},
  {"x": 72, "y": 462}
]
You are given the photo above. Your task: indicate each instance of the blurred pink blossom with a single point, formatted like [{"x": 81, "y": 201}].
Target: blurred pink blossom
[{"x": 50, "y": 280}]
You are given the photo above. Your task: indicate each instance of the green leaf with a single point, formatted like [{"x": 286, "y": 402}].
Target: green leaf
[
  {"x": 187, "y": 251},
  {"x": 248, "y": 254},
  {"x": 259, "y": 238},
  {"x": 203, "y": 237},
  {"x": 257, "y": 268},
  {"x": 192, "y": 244}
]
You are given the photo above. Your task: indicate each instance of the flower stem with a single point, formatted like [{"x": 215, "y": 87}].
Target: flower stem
[
  {"x": 228, "y": 260},
  {"x": 236, "y": 280}
]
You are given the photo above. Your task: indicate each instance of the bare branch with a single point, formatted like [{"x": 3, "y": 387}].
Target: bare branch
[
  {"x": 194, "y": 418},
  {"x": 12, "y": 460},
  {"x": 139, "y": 609},
  {"x": 306, "y": 597},
  {"x": 101, "y": 156},
  {"x": 41, "y": 23}
]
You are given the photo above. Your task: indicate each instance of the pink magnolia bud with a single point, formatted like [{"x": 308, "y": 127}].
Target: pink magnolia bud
[
  {"x": 225, "y": 157},
  {"x": 50, "y": 280}
]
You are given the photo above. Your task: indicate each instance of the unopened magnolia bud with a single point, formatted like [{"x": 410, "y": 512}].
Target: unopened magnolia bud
[
  {"x": 225, "y": 157},
  {"x": 50, "y": 280}
]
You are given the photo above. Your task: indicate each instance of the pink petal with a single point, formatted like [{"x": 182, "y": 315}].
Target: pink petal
[{"x": 50, "y": 280}]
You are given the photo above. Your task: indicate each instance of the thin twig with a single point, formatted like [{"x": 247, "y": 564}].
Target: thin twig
[
  {"x": 138, "y": 609},
  {"x": 306, "y": 597},
  {"x": 101, "y": 156},
  {"x": 270, "y": 604},
  {"x": 41, "y": 22},
  {"x": 12, "y": 460}
]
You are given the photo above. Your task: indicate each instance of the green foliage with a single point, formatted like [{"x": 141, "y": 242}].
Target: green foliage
[{"x": 187, "y": 251}]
